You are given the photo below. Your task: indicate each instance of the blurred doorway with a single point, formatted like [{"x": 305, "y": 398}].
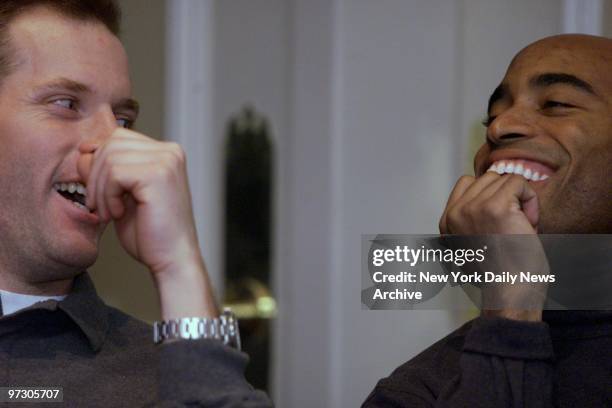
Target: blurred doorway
[{"x": 248, "y": 240}]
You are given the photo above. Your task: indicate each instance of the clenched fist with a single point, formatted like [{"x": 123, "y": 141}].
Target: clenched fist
[
  {"x": 503, "y": 204},
  {"x": 141, "y": 184},
  {"x": 491, "y": 204}
]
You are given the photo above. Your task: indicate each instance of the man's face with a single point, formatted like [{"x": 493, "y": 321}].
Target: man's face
[
  {"x": 553, "y": 114},
  {"x": 71, "y": 85}
]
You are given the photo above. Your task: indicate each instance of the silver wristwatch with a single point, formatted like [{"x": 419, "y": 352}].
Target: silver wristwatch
[{"x": 223, "y": 328}]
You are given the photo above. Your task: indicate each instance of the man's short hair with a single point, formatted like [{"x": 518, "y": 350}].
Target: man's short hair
[{"x": 106, "y": 12}]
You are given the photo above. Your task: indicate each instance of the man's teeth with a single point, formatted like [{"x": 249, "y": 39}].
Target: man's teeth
[
  {"x": 71, "y": 188},
  {"x": 510, "y": 168}
]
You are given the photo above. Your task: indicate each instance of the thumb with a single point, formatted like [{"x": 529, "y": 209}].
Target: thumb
[
  {"x": 84, "y": 165},
  {"x": 529, "y": 204}
]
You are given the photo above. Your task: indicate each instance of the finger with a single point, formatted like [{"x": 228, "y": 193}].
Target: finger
[
  {"x": 89, "y": 146},
  {"x": 461, "y": 186},
  {"x": 84, "y": 164},
  {"x": 465, "y": 193},
  {"x": 515, "y": 194},
  {"x": 119, "y": 185},
  {"x": 114, "y": 195},
  {"x": 109, "y": 203},
  {"x": 109, "y": 192},
  {"x": 145, "y": 147},
  {"x": 526, "y": 197},
  {"x": 99, "y": 184},
  {"x": 477, "y": 187},
  {"x": 491, "y": 189},
  {"x": 92, "y": 181},
  {"x": 131, "y": 134}
]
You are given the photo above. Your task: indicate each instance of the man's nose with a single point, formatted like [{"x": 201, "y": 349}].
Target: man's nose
[
  {"x": 99, "y": 128},
  {"x": 511, "y": 125}
]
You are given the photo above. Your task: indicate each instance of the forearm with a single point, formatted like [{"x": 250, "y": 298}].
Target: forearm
[{"x": 185, "y": 290}]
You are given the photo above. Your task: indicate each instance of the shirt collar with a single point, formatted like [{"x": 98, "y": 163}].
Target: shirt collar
[
  {"x": 13, "y": 302},
  {"x": 87, "y": 310},
  {"x": 82, "y": 306}
]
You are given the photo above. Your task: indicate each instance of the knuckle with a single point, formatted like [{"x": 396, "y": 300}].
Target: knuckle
[
  {"x": 470, "y": 210},
  {"x": 454, "y": 216},
  {"x": 465, "y": 179},
  {"x": 177, "y": 151},
  {"x": 164, "y": 171},
  {"x": 492, "y": 210}
]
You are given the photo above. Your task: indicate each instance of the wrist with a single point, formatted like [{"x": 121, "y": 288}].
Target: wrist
[
  {"x": 183, "y": 257},
  {"x": 223, "y": 328},
  {"x": 185, "y": 290}
]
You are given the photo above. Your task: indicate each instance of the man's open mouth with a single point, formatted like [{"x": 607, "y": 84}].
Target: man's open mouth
[
  {"x": 73, "y": 192},
  {"x": 530, "y": 170}
]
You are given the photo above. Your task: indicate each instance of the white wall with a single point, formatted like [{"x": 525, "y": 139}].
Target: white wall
[
  {"x": 395, "y": 152},
  {"x": 384, "y": 96}
]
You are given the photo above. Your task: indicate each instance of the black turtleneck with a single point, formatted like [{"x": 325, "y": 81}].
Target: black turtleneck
[{"x": 564, "y": 361}]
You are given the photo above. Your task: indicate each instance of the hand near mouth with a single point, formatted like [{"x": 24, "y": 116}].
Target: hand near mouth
[
  {"x": 500, "y": 204},
  {"x": 141, "y": 184},
  {"x": 491, "y": 204}
]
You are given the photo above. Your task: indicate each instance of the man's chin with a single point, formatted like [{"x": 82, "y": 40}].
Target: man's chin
[{"x": 77, "y": 255}]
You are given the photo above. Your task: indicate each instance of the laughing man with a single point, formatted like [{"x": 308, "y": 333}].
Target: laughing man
[
  {"x": 545, "y": 167},
  {"x": 69, "y": 165}
]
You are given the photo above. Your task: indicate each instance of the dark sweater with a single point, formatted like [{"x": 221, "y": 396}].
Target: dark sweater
[
  {"x": 565, "y": 361},
  {"x": 104, "y": 358}
]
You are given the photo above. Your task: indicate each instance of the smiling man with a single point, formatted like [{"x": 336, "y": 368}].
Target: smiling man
[
  {"x": 69, "y": 165},
  {"x": 545, "y": 167}
]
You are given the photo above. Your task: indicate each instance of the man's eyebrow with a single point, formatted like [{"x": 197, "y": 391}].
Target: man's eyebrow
[
  {"x": 65, "y": 84},
  {"x": 78, "y": 87},
  {"x": 543, "y": 81},
  {"x": 499, "y": 93},
  {"x": 553, "y": 78}
]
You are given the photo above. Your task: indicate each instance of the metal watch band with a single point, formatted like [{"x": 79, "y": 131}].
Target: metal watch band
[{"x": 223, "y": 328}]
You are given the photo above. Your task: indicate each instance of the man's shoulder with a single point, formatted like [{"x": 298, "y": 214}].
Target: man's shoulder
[
  {"x": 124, "y": 330},
  {"x": 120, "y": 321},
  {"x": 424, "y": 375}
]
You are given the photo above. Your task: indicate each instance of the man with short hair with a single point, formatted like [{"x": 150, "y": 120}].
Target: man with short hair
[
  {"x": 545, "y": 167},
  {"x": 69, "y": 165}
]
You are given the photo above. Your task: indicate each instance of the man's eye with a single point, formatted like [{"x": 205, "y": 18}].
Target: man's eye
[
  {"x": 556, "y": 104},
  {"x": 124, "y": 123},
  {"x": 66, "y": 103}
]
